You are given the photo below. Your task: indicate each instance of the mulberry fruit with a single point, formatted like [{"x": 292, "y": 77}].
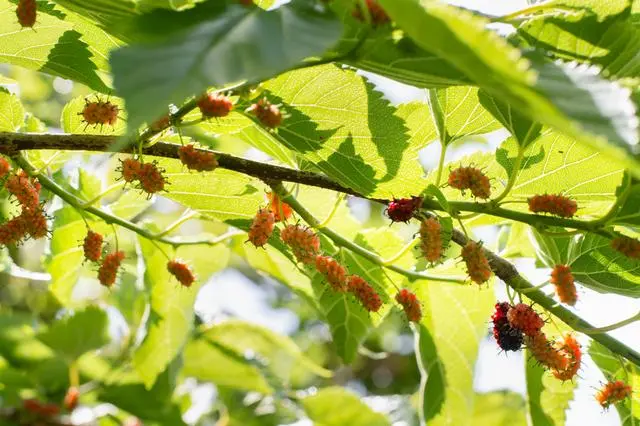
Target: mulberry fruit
[
  {"x": 546, "y": 353},
  {"x": 182, "y": 272},
  {"x": 108, "y": 271},
  {"x": 431, "y": 239},
  {"x": 5, "y": 167},
  {"x": 26, "y": 13},
  {"x": 267, "y": 113},
  {"x": 201, "y": 161},
  {"x": 572, "y": 351},
  {"x": 613, "y": 392},
  {"x": 130, "y": 169},
  {"x": 334, "y": 272},
  {"x": 402, "y": 209},
  {"x": 100, "y": 112},
  {"x": 215, "y": 105},
  {"x": 477, "y": 264},
  {"x": 376, "y": 12},
  {"x": 23, "y": 188},
  {"x": 472, "y": 179},
  {"x": 523, "y": 317},
  {"x": 630, "y": 247},
  {"x": 507, "y": 337},
  {"x": 558, "y": 205},
  {"x": 92, "y": 246},
  {"x": 151, "y": 178},
  {"x": 261, "y": 228},
  {"x": 281, "y": 210},
  {"x": 365, "y": 293},
  {"x": 304, "y": 243},
  {"x": 562, "y": 279},
  {"x": 410, "y": 305}
]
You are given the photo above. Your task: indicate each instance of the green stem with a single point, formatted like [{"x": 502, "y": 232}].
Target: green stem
[
  {"x": 402, "y": 252},
  {"x": 78, "y": 204},
  {"x": 339, "y": 240},
  {"x": 103, "y": 194},
  {"x": 182, "y": 219},
  {"x": 332, "y": 212},
  {"x": 443, "y": 153},
  {"x": 610, "y": 327},
  {"x": 527, "y": 11}
]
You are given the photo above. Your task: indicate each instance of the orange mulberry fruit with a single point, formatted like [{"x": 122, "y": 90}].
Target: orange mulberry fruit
[
  {"x": 402, "y": 209},
  {"x": 151, "y": 178},
  {"x": 5, "y": 167},
  {"x": 161, "y": 123},
  {"x": 365, "y": 293},
  {"x": 71, "y": 398},
  {"x": 182, "y": 272},
  {"x": 21, "y": 187},
  {"x": 36, "y": 222},
  {"x": 613, "y": 392},
  {"x": 523, "y": 317},
  {"x": 558, "y": 205},
  {"x": 194, "y": 159},
  {"x": 376, "y": 12},
  {"x": 431, "y": 239},
  {"x": 108, "y": 271},
  {"x": 268, "y": 113},
  {"x": 477, "y": 264},
  {"x": 562, "y": 278},
  {"x": 334, "y": 272},
  {"x": 572, "y": 351},
  {"x": 304, "y": 243},
  {"x": 26, "y": 13},
  {"x": 410, "y": 305},
  {"x": 215, "y": 105},
  {"x": 472, "y": 179},
  {"x": 100, "y": 112},
  {"x": 262, "y": 227},
  {"x": 92, "y": 246},
  {"x": 630, "y": 247},
  {"x": 13, "y": 231},
  {"x": 130, "y": 169},
  {"x": 281, "y": 210},
  {"x": 545, "y": 352}
]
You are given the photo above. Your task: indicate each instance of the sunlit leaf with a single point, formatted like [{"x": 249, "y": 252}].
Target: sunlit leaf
[{"x": 336, "y": 406}]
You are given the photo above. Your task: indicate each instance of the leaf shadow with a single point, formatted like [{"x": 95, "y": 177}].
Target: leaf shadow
[
  {"x": 71, "y": 58},
  {"x": 502, "y": 157}
]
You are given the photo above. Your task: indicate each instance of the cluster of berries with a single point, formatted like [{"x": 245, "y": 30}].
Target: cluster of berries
[
  {"x": 26, "y": 13},
  {"x": 515, "y": 325},
  {"x": 148, "y": 175},
  {"x": 376, "y": 13},
  {"x": 613, "y": 392},
  {"x": 31, "y": 222},
  {"x": 109, "y": 263},
  {"x": 99, "y": 112},
  {"x": 305, "y": 245}
]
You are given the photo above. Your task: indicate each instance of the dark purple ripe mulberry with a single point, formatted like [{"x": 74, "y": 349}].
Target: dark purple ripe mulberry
[{"x": 507, "y": 337}]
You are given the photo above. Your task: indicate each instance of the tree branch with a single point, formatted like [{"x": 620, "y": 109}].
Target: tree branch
[{"x": 12, "y": 143}]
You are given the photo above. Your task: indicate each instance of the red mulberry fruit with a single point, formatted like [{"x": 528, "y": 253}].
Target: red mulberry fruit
[
  {"x": 182, "y": 272},
  {"x": 562, "y": 278},
  {"x": 201, "y": 161},
  {"x": 612, "y": 393},
  {"x": 108, "y": 271},
  {"x": 281, "y": 210},
  {"x": 524, "y": 318},
  {"x": 334, "y": 272},
  {"x": 477, "y": 264},
  {"x": 304, "y": 243},
  {"x": 402, "y": 209},
  {"x": 630, "y": 247},
  {"x": 431, "y": 239},
  {"x": 92, "y": 246},
  {"x": 215, "y": 105},
  {"x": 365, "y": 293},
  {"x": 26, "y": 13},
  {"x": 410, "y": 305},
  {"x": 507, "y": 337},
  {"x": 472, "y": 179},
  {"x": 268, "y": 113},
  {"x": 558, "y": 205}
]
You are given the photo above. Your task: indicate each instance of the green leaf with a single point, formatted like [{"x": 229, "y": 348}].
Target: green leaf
[
  {"x": 457, "y": 113},
  {"x": 396, "y": 56},
  {"x": 521, "y": 127},
  {"x": 598, "y": 35},
  {"x": 66, "y": 257},
  {"x": 434, "y": 191},
  {"x": 351, "y": 133},
  {"x": 597, "y": 266},
  {"x": 556, "y": 164},
  {"x": 11, "y": 112},
  {"x": 552, "y": 250},
  {"x": 72, "y": 120},
  {"x": 613, "y": 369},
  {"x": 627, "y": 212},
  {"x": 61, "y": 44},
  {"x": 548, "y": 398},
  {"x": 207, "y": 46},
  {"x": 335, "y": 406},
  {"x": 171, "y": 318},
  {"x": 499, "y": 409},
  {"x": 78, "y": 333},
  {"x": 574, "y": 99},
  {"x": 104, "y": 12},
  {"x": 224, "y": 346},
  {"x": 223, "y": 194},
  {"x": 452, "y": 344}
]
